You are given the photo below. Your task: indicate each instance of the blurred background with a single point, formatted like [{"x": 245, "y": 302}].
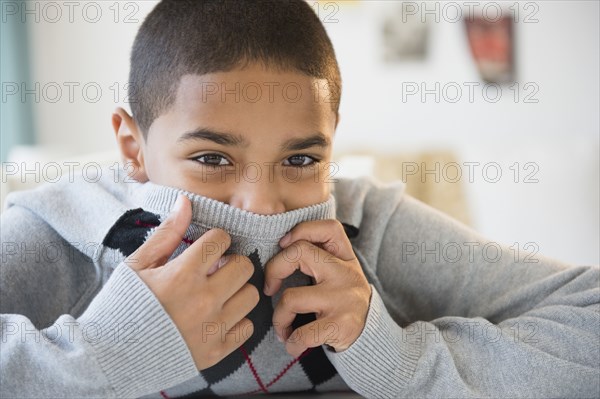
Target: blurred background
[{"x": 489, "y": 111}]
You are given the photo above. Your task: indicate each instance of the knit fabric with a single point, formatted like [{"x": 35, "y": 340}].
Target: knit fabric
[
  {"x": 74, "y": 325},
  {"x": 261, "y": 364}
]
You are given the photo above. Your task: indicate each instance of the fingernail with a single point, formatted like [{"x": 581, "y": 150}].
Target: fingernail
[
  {"x": 266, "y": 289},
  {"x": 222, "y": 261},
  {"x": 279, "y": 338},
  {"x": 212, "y": 269},
  {"x": 178, "y": 204},
  {"x": 291, "y": 338},
  {"x": 286, "y": 238}
]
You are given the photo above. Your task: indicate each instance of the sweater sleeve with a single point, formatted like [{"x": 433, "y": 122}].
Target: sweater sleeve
[
  {"x": 123, "y": 344},
  {"x": 478, "y": 323}
]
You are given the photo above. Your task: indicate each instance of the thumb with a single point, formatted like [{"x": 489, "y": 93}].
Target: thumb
[{"x": 165, "y": 240}]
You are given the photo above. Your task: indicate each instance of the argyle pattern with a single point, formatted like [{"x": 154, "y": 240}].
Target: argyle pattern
[{"x": 261, "y": 364}]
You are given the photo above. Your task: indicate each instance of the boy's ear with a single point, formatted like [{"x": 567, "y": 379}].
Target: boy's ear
[{"x": 131, "y": 144}]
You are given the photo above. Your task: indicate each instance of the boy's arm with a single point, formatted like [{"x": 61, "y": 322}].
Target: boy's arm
[
  {"x": 476, "y": 324},
  {"x": 41, "y": 274},
  {"x": 124, "y": 344}
]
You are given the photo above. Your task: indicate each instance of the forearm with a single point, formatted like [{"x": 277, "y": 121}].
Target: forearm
[
  {"x": 123, "y": 345},
  {"x": 53, "y": 362},
  {"x": 470, "y": 323},
  {"x": 549, "y": 351}
]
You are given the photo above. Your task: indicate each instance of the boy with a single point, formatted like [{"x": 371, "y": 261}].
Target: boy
[{"x": 235, "y": 106}]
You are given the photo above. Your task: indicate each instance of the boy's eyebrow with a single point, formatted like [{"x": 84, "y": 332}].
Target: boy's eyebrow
[
  {"x": 316, "y": 140},
  {"x": 217, "y": 137},
  {"x": 229, "y": 139}
]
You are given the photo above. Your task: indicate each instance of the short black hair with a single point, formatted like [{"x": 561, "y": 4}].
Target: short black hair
[{"x": 182, "y": 37}]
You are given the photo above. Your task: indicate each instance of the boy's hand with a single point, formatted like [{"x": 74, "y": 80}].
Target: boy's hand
[
  {"x": 341, "y": 294},
  {"x": 209, "y": 310}
]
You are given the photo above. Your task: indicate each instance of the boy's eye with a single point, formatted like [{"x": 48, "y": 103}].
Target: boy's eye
[
  {"x": 299, "y": 161},
  {"x": 212, "y": 160}
]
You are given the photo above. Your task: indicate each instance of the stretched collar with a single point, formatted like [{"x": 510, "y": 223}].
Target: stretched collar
[{"x": 211, "y": 213}]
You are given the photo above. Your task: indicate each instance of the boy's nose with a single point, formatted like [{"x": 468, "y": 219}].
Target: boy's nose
[{"x": 261, "y": 197}]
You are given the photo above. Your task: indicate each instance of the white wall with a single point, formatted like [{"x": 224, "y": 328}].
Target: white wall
[
  {"x": 559, "y": 54},
  {"x": 87, "y": 53}
]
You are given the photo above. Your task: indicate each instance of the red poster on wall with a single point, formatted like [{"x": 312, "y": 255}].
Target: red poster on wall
[{"x": 491, "y": 43}]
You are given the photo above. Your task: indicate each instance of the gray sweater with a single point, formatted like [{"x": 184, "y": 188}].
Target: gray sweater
[{"x": 451, "y": 314}]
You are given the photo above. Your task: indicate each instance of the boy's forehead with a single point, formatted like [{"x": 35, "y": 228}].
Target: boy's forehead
[
  {"x": 251, "y": 99},
  {"x": 253, "y": 85}
]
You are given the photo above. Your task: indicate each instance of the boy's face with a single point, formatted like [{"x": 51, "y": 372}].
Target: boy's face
[{"x": 256, "y": 139}]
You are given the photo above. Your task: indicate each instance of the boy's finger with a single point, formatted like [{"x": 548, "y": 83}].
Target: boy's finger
[
  {"x": 166, "y": 238},
  {"x": 297, "y": 300},
  {"x": 310, "y": 259},
  {"x": 205, "y": 251},
  {"x": 328, "y": 234},
  {"x": 232, "y": 275},
  {"x": 313, "y": 334}
]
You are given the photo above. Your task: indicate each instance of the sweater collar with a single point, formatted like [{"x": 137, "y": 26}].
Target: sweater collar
[{"x": 211, "y": 213}]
